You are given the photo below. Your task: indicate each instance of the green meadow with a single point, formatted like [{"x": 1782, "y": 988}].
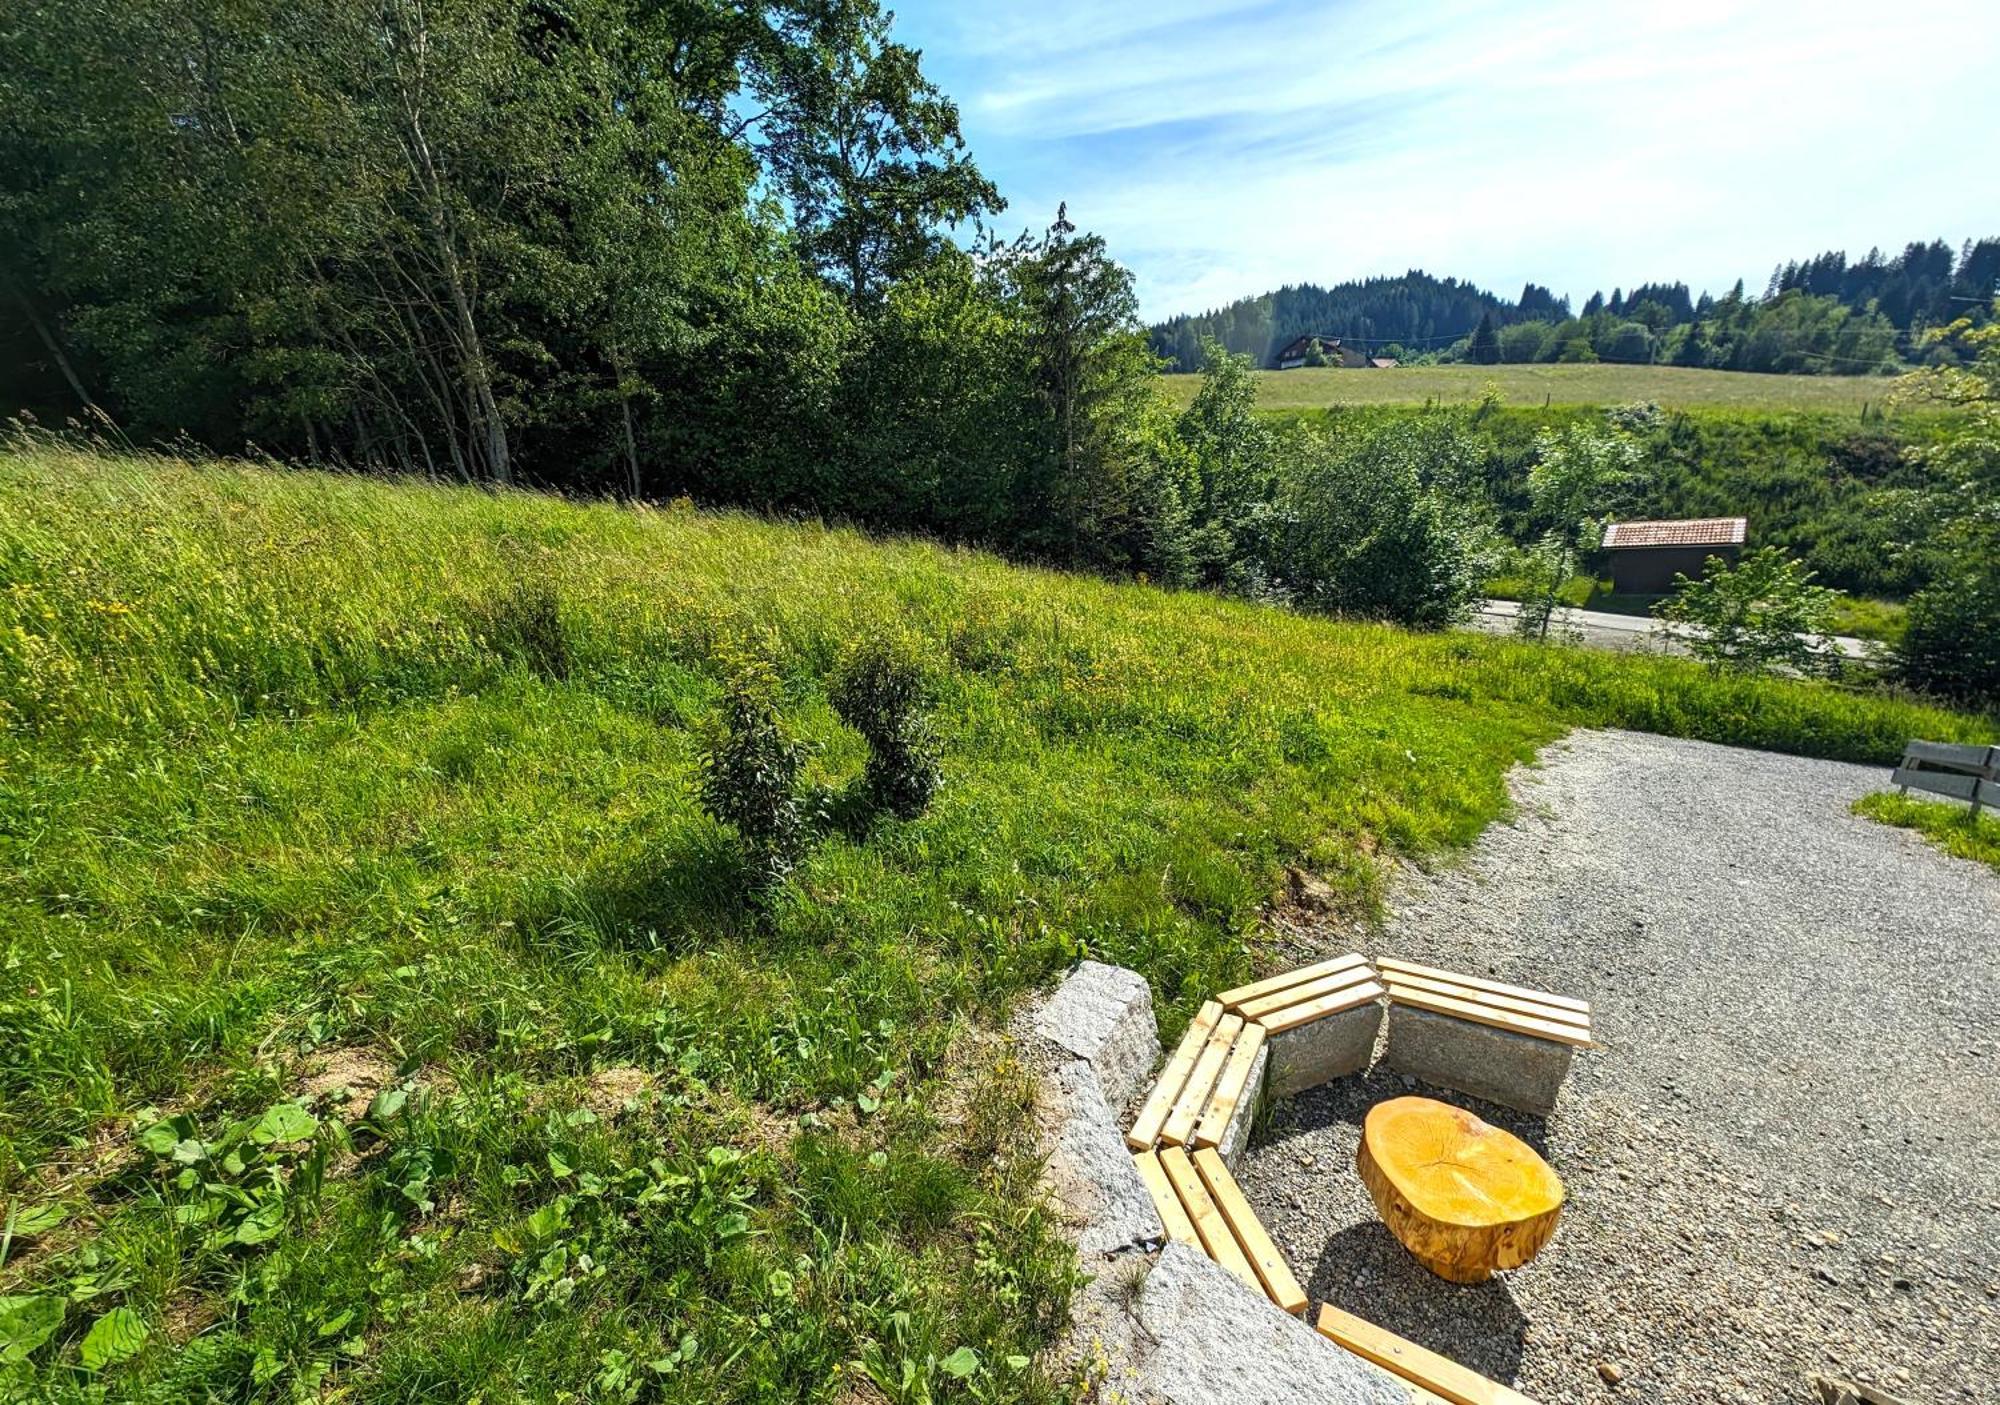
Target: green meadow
[{"x": 384, "y": 1018}]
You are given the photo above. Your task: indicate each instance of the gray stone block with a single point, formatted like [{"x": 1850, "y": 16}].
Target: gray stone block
[
  {"x": 1514, "y": 1070},
  {"x": 1090, "y": 1170},
  {"x": 1322, "y": 1051},
  {"x": 1236, "y": 1135},
  {"x": 1104, "y": 1014},
  {"x": 1220, "y": 1342}
]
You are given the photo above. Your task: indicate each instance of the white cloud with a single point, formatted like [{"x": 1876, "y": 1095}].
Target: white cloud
[{"x": 1225, "y": 149}]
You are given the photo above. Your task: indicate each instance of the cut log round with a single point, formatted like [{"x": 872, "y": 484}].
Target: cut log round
[{"x": 1464, "y": 1197}]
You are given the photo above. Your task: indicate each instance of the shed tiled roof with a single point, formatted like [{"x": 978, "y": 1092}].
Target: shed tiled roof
[{"x": 1698, "y": 531}]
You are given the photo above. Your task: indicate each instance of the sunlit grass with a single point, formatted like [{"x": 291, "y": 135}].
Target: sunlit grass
[
  {"x": 286, "y": 769},
  {"x": 1673, "y": 387},
  {"x": 1952, "y": 826}
]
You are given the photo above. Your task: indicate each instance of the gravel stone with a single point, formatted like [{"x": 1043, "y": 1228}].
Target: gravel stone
[{"x": 1794, "y": 1008}]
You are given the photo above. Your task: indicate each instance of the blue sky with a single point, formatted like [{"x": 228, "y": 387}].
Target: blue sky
[{"x": 1227, "y": 147}]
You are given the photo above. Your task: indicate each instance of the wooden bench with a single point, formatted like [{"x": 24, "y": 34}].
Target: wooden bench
[
  {"x": 1433, "y": 1377},
  {"x": 1320, "y": 1020},
  {"x": 1506, "y": 1043},
  {"x": 1969, "y": 773},
  {"x": 1200, "y": 1203}
]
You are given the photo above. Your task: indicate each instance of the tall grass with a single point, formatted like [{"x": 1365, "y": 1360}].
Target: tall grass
[{"x": 295, "y": 762}]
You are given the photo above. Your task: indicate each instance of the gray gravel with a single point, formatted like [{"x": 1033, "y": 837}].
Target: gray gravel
[{"x": 1782, "y": 1158}]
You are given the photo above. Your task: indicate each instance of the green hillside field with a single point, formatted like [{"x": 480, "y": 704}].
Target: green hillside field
[
  {"x": 383, "y": 1016},
  {"x": 1673, "y": 387}
]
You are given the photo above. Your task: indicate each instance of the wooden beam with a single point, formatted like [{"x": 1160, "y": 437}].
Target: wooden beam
[
  {"x": 1486, "y": 1015},
  {"x": 1950, "y": 754},
  {"x": 1146, "y": 1127},
  {"x": 1439, "y": 1375},
  {"x": 1293, "y": 1016},
  {"x": 1265, "y": 1006},
  {"x": 1950, "y": 784},
  {"x": 1232, "y": 998},
  {"x": 1386, "y": 964},
  {"x": 1172, "y": 1214},
  {"x": 1208, "y": 1222},
  {"x": 1270, "y": 1266},
  {"x": 1230, "y": 1087},
  {"x": 1194, "y": 1097},
  {"x": 1399, "y": 980}
]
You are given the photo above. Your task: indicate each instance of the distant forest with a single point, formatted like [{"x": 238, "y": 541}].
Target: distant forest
[{"x": 1823, "y": 315}]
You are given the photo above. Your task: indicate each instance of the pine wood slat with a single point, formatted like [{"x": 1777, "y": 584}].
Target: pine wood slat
[
  {"x": 1285, "y": 980},
  {"x": 1172, "y": 1214},
  {"x": 1146, "y": 1127},
  {"x": 1292, "y": 1016},
  {"x": 1398, "y": 980},
  {"x": 1230, "y": 1087},
  {"x": 1487, "y": 1015},
  {"x": 1264, "y": 1006},
  {"x": 1441, "y": 1376},
  {"x": 1270, "y": 1266},
  {"x": 1194, "y": 1097},
  {"x": 1208, "y": 1222},
  {"x": 1386, "y": 964}
]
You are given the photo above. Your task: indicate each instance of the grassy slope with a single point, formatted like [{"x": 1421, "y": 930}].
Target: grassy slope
[
  {"x": 1950, "y": 825},
  {"x": 1671, "y": 386},
  {"x": 286, "y": 770}
]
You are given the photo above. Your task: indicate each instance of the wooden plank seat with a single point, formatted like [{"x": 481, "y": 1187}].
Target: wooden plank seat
[
  {"x": 1320, "y": 1020},
  {"x": 1201, "y": 1204},
  {"x": 1435, "y": 1376},
  {"x": 1505, "y": 1043}
]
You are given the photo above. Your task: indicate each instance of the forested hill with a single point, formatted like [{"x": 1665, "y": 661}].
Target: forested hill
[
  {"x": 1412, "y": 312},
  {"x": 1824, "y": 314}
]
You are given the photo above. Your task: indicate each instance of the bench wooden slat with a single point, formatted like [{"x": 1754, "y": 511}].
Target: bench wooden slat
[
  {"x": 1396, "y": 980},
  {"x": 1265, "y": 1260},
  {"x": 1172, "y": 1215},
  {"x": 1266, "y": 1005},
  {"x": 1271, "y": 984},
  {"x": 1213, "y": 1230},
  {"x": 1189, "y": 1106},
  {"x": 1153, "y": 1116},
  {"x": 1952, "y": 754},
  {"x": 1562, "y": 1002},
  {"x": 1439, "y": 1375},
  {"x": 1292, "y": 1016},
  {"x": 1945, "y": 783},
  {"x": 1229, "y": 1088},
  {"x": 1487, "y": 1015}
]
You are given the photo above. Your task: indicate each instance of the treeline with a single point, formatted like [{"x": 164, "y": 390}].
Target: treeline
[
  {"x": 1403, "y": 314},
  {"x": 1823, "y": 316},
  {"x": 603, "y": 246}
]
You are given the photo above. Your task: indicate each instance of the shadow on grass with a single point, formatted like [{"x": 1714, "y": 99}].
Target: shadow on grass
[{"x": 686, "y": 894}]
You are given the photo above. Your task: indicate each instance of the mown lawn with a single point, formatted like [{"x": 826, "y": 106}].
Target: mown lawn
[
  {"x": 382, "y": 1015},
  {"x": 1673, "y": 387}
]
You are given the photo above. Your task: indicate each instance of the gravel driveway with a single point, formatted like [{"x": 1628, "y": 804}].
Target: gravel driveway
[{"x": 1785, "y": 1156}]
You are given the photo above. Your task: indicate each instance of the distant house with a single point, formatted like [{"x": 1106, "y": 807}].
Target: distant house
[
  {"x": 1645, "y": 556},
  {"x": 1382, "y": 363},
  {"x": 1297, "y": 352}
]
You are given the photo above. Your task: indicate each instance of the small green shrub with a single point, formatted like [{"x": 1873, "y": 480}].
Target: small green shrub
[
  {"x": 1761, "y": 614},
  {"x": 883, "y": 690},
  {"x": 1951, "y": 644},
  {"x": 523, "y": 624},
  {"x": 750, "y": 774}
]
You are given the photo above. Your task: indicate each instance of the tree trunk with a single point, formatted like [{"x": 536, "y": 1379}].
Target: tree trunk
[
  {"x": 48, "y": 337},
  {"x": 1463, "y": 1197}
]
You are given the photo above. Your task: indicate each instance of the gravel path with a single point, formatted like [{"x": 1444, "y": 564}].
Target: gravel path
[{"x": 1782, "y": 1158}]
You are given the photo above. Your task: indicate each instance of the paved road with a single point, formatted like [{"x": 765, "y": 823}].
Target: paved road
[{"x": 1634, "y": 633}]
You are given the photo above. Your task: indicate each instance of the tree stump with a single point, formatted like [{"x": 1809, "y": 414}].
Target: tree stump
[{"x": 1463, "y": 1197}]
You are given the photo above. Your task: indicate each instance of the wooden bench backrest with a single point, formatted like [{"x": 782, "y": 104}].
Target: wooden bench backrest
[{"x": 1951, "y": 770}]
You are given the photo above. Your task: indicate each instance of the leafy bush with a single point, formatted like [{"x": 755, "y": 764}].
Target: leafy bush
[
  {"x": 1361, "y": 527},
  {"x": 1759, "y": 615},
  {"x": 882, "y": 690},
  {"x": 1951, "y": 644},
  {"x": 750, "y": 774}
]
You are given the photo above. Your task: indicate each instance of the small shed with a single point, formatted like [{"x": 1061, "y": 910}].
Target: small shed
[{"x": 1645, "y": 556}]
